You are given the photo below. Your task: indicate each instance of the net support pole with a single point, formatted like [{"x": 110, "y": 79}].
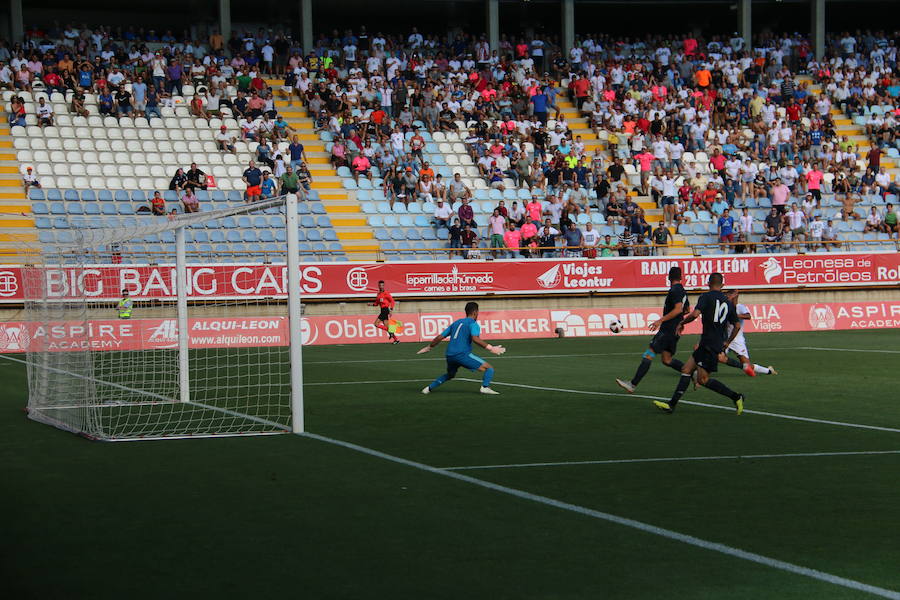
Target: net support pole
[
  {"x": 294, "y": 317},
  {"x": 184, "y": 375}
]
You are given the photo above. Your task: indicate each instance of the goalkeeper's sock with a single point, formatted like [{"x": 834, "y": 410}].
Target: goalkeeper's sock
[
  {"x": 488, "y": 376},
  {"x": 442, "y": 379},
  {"x": 641, "y": 371},
  {"x": 733, "y": 362},
  {"x": 760, "y": 369},
  {"x": 676, "y": 364}
]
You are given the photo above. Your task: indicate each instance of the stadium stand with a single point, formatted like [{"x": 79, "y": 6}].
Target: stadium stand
[{"x": 624, "y": 136}]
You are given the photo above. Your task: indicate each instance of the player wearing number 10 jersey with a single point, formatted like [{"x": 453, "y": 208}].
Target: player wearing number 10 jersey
[{"x": 717, "y": 314}]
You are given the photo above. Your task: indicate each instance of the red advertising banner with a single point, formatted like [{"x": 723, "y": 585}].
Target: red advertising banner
[
  {"x": 243, "y": 332},
  {"x": 462, "y": 278}
]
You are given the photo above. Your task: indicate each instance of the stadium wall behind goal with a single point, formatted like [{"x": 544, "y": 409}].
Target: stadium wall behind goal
[{"x": 234, "y": 332}]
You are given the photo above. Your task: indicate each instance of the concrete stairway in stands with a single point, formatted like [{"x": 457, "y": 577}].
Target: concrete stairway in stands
[
  {"x": 356, "y": 237},
  {"x": 16, "y": 223}
]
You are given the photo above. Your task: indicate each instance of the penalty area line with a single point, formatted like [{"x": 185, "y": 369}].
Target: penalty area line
[
  {"x": 695, "y": 403},
  {"x": 623, "y": 521},
  {"x": 617, "y": 461}
]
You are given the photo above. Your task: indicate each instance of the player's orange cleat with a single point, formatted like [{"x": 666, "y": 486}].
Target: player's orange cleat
[{"x": 748, "y": 369}]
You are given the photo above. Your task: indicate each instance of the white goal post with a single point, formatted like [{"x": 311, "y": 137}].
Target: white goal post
[{"x": 182, "y": 326}]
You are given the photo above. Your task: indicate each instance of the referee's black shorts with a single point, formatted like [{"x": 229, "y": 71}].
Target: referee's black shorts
[{"x": 385, "y": 314}]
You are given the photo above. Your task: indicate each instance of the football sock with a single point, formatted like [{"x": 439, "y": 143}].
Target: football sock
[
  {"x": 641, "y": 371},
  {"x": 442, "y": 379},
  {"x": 487, "y": 377},
  {"x": 676, "y": 364},
  {"x": 733, "y": 362},
  {"x": 381, "y": 325},
  {"x": 391, "y": 335},
  {"x": 760, "y": 369},
  {"x": 683, "y": 382},
  {"x": 720, "y": 388}
]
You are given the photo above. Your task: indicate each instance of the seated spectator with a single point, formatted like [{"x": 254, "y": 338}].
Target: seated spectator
[
  {"x": 29, "y": 180},
  {"x": 77, "y": 106},
  {"x": 718, "y": 207},
  {"x": 339, "y": 154},
  {"x": 106, "y": 104},
  {"x": 290, "y": 182},
  {"x": 772, "y": 240},
  {"x": 190, "y": 201},
  {"x": 124, "y": 106},
  {"x": 197, "y": 107},
  {"x": 457, "y": 190},
  {"x": 16, "y": 112},
  {"x": 196, "y": 179},
  {"x": 268, "y": 187},
  {"x": 44, "y": 113},
  {"x": 225, "y": 141},
  {"x": 874, "y": 222},
  {"x": 442, "y": 214},
  {"x": 361, "y": 167},
  {"x": 829, "y": 235},
  {"x": 439, "y": 190},
  {"x": 640, "y": 247},
  {"x": 304, "y": 176},
  {"x": 157, "y": 204},
  {"x": 264, "y": 153},
  {"x": 891, "y": 225},
  {"x": 178, "y": 180}
]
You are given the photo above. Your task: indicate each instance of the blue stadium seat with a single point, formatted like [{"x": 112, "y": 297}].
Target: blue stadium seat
[
  {"x": 307, "y": 221},
  {"x": 276, "y": 222},
  {"x": 88, "y": 196},
  {"x": 216, "y": 236},
  {"x": 57, "y": 208},
  {"x": 405, "y": 220},
  {"x": 233, "y": 236},
  {"x": 71, "y": 196},
  {"x": 244, "y": 222},
  {"x": 318, "y": 208},
  {"x": 228, "y": 223},
  {"x": 235, "y": 196},
  {"x": 138, "y": 196},
  {"x": 323, "y": 221},
  {"x": 382, "y": 235},
  {"x": 104, "y": 196},
  {"x": 266, "y": 236},
  {"x": 54, "y": 194},
  {"x": 413, "y": 234},
  {"x": 313, "y": 235},
  {"x": 384, "y": 208},
  {"x": 122, "y": 196},
  {"x": 397, "y": 234},
  {"x": 39, "y": 208},
  {"x": 42, "y": 222},
  {"x": 36, "y": 194},
  {"x": 91, "y": 208},
  {"x": 218, "y": 196},
  {"x": 200, "y": 235},
  {"x": 249, "y": 235},
  {"x": 330, "y": 235}
]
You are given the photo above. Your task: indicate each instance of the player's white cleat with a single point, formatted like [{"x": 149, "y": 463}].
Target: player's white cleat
[
  {"x": 426, "y": 390},
  {"x": 626, "y": 385},
  {"x": 487, "y": 390},
  {"x": 772, "y": 370}
]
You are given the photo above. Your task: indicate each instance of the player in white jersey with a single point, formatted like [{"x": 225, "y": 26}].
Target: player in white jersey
[{"x": 739, "y": 344}]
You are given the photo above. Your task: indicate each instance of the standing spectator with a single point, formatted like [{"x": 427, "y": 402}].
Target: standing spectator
[
  {"x": 512, "y": 240},
  {"x": 454, "y": 233},
  {"x": 660, "y": 238},
  {"x": 645, "y": 159},
  {"x": 297, "y": 152},
  {"x": 547, "y": 241},
  {"x": 304, "y": 177},
  {"x": 574, "y": 240},
  {"x": 626, "y": 239},
  {"x": 590, "y": 240},
  {"x": 253, "y": 179},
  {"x": 797, "y": 222},
  {"x": 829, "y": 235},
  {"x": 746, "y": 223},
  {"x": 726, "y": 230},
  {"x": 497, "y": 226},
  {"x": 816, "y": 228},
  {"x": 779, "y": 194},
  {"x": 469, "y": 239},
  {"x": 529, "y": 237},
  {"x": 607, "y": 247}
]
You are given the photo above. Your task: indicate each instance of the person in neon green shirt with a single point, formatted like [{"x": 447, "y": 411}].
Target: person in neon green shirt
[{"x": 125, "y": 305}]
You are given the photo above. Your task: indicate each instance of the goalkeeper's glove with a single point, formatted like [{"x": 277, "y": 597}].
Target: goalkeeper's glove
[{"x": 498, "y": 350}]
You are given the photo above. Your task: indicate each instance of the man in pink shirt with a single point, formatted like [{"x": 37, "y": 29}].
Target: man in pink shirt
[
  {"x": 497, "y": 224},
  {"x": 529, "y": 235},
  {"x": 512, "y": 239},
  {"x": 645, "y": 159},
  {"x": 361, "y": 166},
  {"x": 534, "y": 209},
  {"x": 780, "y": 194},
  {"x": 814, "y": 182}
]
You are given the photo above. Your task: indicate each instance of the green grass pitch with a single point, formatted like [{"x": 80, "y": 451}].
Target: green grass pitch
[{"x": 251, "y": 517}]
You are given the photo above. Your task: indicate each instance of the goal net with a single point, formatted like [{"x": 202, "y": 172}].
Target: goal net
[{"x": 145, "y": 329}]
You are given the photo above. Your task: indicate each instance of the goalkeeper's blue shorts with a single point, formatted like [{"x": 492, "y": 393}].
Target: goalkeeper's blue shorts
[{"x": 468, "y": 361}]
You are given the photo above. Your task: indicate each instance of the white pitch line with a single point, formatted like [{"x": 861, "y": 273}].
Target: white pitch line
[
  {"x": 368, "y": 382},
  {"x": 617, "y": 461},
  {"x": 624, "y": 521},
  {"x": 848, "y": 350}
]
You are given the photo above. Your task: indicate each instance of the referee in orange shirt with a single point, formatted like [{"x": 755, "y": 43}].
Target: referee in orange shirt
[{"x": 385, "y": 301}]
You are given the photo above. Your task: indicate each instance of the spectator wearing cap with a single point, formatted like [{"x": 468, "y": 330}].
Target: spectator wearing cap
[
  {"x": 225, "y": 141},
  {"x": 408, "y": 184},
  {"x": 29, "y": 180},
  {"x": 719, "y": 205},
  {"x": 442, "y": 214}
]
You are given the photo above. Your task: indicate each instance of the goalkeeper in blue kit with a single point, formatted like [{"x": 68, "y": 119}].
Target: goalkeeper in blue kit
[{"x": 462, "y": 333}]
